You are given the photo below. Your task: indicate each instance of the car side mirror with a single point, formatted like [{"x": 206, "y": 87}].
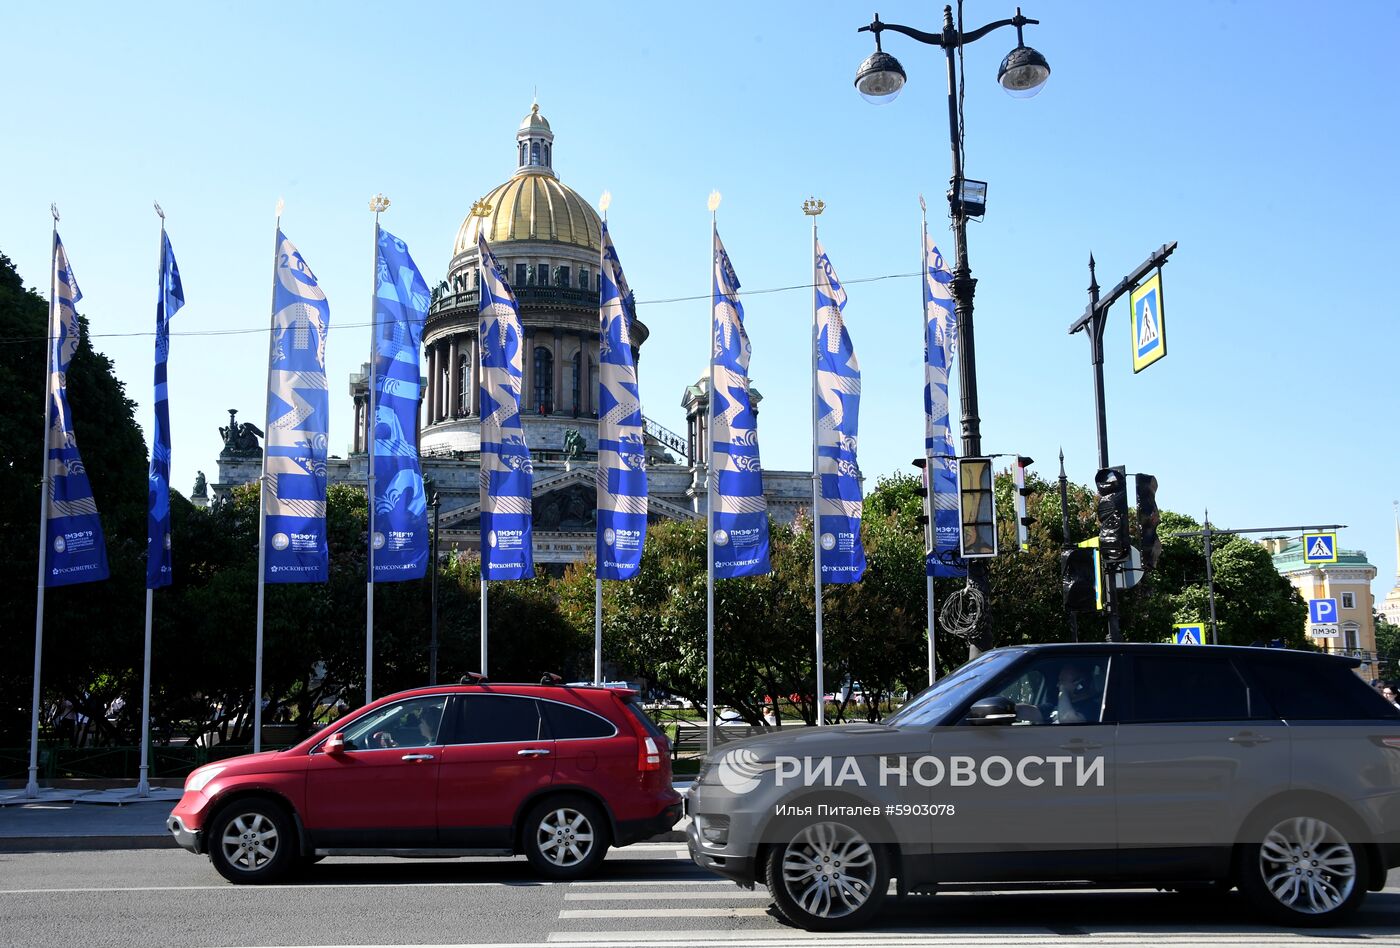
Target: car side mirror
[
  {"x": 994, "y": 710},
  {"x": 335, "y": 744}
]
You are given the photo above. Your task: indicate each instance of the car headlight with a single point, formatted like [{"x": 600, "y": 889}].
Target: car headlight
[{"x": 197, "y": 780}]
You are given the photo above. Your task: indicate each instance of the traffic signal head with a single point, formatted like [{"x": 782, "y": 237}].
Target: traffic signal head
[
  {"x": 1078, "y": 576},
  {"x": 925, "y": 490},
  {"x": 1112, "y": 486},
  {"x": 1148, "y": 519},
  {"x": 977, "y": 514},
  {"x": 1023, "y": 522}
]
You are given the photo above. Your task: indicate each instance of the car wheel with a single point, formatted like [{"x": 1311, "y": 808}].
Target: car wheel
[
  {"x": 827, "y": 876},
  {"x": 1305, "y": 870},
  {"x": 252, "y": 841},
  {"x": 565, "y": 838}
]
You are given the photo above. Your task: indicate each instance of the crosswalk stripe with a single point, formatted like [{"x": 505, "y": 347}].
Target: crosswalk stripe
[
  {"x": 670, "y": 913},
  {"x": 672, "y": 896}
]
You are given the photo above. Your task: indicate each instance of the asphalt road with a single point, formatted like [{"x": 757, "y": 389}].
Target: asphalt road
[{"x": 647, "y": 894}]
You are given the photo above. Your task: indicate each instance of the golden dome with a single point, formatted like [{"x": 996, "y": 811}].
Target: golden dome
[
  {"x": 533, "y": 206},
  {"x": 534, "y": 119}
]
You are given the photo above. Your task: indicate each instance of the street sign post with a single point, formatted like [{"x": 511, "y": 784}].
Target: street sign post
[
  {"x": 1319, "y": 548},
  {"x": 1190, "y": 633}
]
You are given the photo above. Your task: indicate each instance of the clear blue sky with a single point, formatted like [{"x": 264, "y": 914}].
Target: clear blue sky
[{"x": 1262, "y": 137}]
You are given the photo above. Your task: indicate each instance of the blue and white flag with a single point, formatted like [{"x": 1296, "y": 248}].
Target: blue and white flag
[
  {"x": 171, "y": 298},
  {"x": 940, "y": 343},
  {"x": 507, "y": 477},
  {"x": 739, "y": 516},
  {"x": 399, "y": 547},
  {"x": 838, "y": 424},
  {"x": 77, "y": 552},
  {"x": 294, "y": 496},
  {"x": 622, "y": 463}
]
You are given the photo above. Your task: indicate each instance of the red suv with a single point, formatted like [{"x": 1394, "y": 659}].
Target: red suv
[{"x": 557, "y": 773}]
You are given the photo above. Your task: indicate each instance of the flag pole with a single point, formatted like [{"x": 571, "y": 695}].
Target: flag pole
[
  {"x": 812, "y": 208},
  {"x": 603, "y": 203},
  {"x": 483, "y": 624},
  {"x": 143, "y": 784},
  {"x": 31, "y": 790},
  {"x": 480, "y": 209},
  {"x": 262, "y": 500},
  {"x": 378, "y": 204},
  {"x": 930, "y": 596},
  {"x": 710, "y": 478}
]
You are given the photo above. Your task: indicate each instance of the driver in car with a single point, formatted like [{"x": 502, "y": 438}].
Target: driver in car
[
  {"x": 428, "y": 720},
  {"x": 1078, "y": 702}
]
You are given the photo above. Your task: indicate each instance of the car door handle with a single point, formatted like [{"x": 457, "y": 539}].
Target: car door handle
[
  {"x": 416, "y": 757},
  {"x": 532, "y": 752},
  {"x": 1249, "y": 739},
  {"x": 1079, "y": 744}
]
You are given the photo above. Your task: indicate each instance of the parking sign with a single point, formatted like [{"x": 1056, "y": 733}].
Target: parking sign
[{"x": 1322, "y": 611}]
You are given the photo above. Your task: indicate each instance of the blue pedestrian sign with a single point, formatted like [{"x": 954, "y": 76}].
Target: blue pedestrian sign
[
  {"x": 1319, "y": 548},
  {"x": 1190, "y": 633},
  {"x": 1322, "y": 611}
]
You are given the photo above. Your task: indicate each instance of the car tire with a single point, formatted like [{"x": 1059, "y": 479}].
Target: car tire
[
  {"x": 565, "y": 837},
  {"x": 253, "y": 841},
  {"x": 828, "y": 876},
  {"x": 1303, "y": 867}
]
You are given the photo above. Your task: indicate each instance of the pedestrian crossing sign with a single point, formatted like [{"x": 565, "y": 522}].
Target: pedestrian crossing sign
[
  {"x": 1319, "y": 548},
  {"x": 1149, "y": 336},
  {"x": 1190, "y": 633}
]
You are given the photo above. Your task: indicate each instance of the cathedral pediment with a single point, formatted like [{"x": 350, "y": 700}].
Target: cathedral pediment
[{"x": 564, "y": 502}]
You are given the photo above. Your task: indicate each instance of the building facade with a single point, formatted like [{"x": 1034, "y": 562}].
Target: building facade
[
  {"x": 549, "y": 240},
  {"x": 1390, "y": 607},
  {"x": 1348, "y": 581}
]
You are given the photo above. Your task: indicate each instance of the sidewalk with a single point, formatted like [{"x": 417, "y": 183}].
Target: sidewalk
[{"x": 94, "y": 822}]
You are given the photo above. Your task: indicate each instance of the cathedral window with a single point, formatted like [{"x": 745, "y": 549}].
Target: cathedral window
[
  {"x": 561, "y": 276},
  {"x": 534, "y": 153},
  {"x": 583, "y": 278},
  {"x": 574, "y": 381},
  {"x": 546, "y": 155},
  {"x": 544, "y": 380},
  {"x": 542, "y": 274},
  {"x": 521, "y": 274},
  {"x": 522, "y": 154}
]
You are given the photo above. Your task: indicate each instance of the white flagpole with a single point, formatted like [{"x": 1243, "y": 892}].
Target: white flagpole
[
  {"x": 31, "y": 790},
  {"x": 710, "y": 479},
  {"x": 262, "y": 500},
  {"x": 143, "y": 784},
  {"x": 603, "y": 202},
  {"x": 484, "y": 601},
  {"x": 378, "y": 204},
  {"x": 812, "y": 207},
  {"x": 930, "y": 595}
]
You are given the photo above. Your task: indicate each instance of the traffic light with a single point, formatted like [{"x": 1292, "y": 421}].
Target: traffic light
[
  {"x": 1079, "y": 570},
  {"x": 926, "y": 492},
  {"x": 1023, "y": 522},
  {"x": 1114, "y": 542},
  {"x": 1148, "y": 519},
  {"x": 977, "y": 509}
]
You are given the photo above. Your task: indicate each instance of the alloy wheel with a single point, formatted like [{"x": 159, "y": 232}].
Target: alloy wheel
[
  {"x": 249, "y": 841},
  {"x": 829, "y": 870},
  {"x": 565, "y": 837},
  {"x": 1307, "y": 865}
]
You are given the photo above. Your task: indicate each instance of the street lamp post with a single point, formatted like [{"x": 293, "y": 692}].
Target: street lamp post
[
  {"x": 433, "y": 621},
  {"x": 1023, "y": 73}
]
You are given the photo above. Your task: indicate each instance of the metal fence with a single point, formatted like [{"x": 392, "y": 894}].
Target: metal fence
[{"x": 114, "y": 763}]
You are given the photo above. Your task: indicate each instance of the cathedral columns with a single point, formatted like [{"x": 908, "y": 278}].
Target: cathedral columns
[
  {"x": 558, "y": 370},
  {"x": 454, "y": 382},
  {"x": 474, "y": 407},
  {"x": 432, "y": 384},
  {"x": 527, "y": 357}
]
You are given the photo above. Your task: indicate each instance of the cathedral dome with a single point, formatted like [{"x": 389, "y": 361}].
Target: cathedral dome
[{"x": 533, "y": 204}]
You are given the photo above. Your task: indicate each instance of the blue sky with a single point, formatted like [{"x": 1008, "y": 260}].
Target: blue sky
[{"x": 1262, "y": 140}]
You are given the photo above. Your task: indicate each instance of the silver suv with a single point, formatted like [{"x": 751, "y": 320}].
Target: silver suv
[{"x": 1156, "y": 766}]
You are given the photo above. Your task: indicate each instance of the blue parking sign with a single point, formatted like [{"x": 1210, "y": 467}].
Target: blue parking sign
[{"x": 1322, "y": 611}]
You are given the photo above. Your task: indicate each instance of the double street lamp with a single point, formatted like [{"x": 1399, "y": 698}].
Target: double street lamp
[{"x": 1022, "y": 74}]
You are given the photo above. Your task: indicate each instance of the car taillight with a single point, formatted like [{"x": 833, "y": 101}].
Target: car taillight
[{"x": 648, "y": 755}]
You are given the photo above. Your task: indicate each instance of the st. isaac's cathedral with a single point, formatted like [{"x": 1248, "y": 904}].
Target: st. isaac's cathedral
[{"x": 549, "y": 240}]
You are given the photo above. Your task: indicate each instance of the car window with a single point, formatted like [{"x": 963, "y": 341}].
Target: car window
[
  {"x": 496, "y": 719},
  {"x": 568, "y": 723},
  {"x": 411, "y": 723},
  {"x": 935, "y": 702},
  {"x": 1057, "y": 689},
  {"x": 1317, "y": 691},
  {"x": 1190, "y": 688}
]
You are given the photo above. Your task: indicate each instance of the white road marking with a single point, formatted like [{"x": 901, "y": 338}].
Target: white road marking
[
  {"x": 780, "y": 938},
  {"x": 671, "y": 896},
  {"x": 670, "y": 913}
]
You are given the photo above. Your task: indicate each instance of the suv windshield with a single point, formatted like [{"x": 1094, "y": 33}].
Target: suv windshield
[{"x": 933, "y": 703}]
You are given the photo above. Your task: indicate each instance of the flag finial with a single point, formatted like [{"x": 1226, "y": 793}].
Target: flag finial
[
  {"x": 604, "y": 202},
  {"x": 813, "y": 206},
  {"x": 379, "y": 203},
  {"x": 53, "y": 209},
  {"x": 713, "y": 203},
  {"x": 280, "y": 205},
  {"x": 159, "y": 212}
]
